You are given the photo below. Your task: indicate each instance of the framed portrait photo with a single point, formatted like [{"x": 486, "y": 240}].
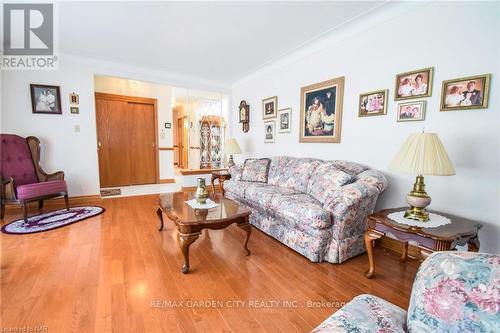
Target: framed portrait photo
[
  {"x": 411, "y": 111},
  {"x": 321, "y": 111},
  {"x": 414, "y": 84},
  {"x": 270, "y": 107},
  {"x": 74, "y": 110},
  {"x": 45, "y": 99},
  {"x": 285, "y": 120},
  {"x": 465, "y": 93},
  {"x": 269, "y": 131},
  {"x": 373, "y": 103}
]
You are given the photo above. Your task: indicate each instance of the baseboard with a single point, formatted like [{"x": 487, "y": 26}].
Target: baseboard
[
  {"x": 77, "y": 200},
  {"x": 166, "y": 181},
  {"x": 396, "y": 246}
]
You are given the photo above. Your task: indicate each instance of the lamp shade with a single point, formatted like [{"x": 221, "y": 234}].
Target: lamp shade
[
  {"x": 422, "y": 154},
  {"x": 232, "y": 147}
]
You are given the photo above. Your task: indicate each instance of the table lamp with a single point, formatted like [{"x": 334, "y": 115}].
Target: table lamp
[
  {"x": 422, "y": 154},
  {"x": 231, "y": 147}
]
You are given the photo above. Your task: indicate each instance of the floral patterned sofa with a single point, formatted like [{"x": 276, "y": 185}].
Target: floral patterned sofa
[
  {"x": 453, "y": 292},
  {"x": 317, "y": 208}
]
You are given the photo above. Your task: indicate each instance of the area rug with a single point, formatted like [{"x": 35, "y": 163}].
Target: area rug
[
  {"x": 51, "y": 220},
  {"x": 110, "y": 192}
]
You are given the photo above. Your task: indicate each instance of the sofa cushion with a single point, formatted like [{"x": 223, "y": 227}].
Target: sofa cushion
[
  {"x": 261, "y": 195},
  {"x": 255, "y": 170},
  {"x": 456, "y": 292},
  {"x": 301, "y": 210},
  {"x": 365, "y": 314},
  {"x": 352, "y": 168},
  {"x": 30, "y": 191},
  {"x": 291, "y": 172},
  {"x": 325, "y": 180}
]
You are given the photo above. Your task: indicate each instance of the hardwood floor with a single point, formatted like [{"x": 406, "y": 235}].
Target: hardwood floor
[{"x": 117, "y": 273}]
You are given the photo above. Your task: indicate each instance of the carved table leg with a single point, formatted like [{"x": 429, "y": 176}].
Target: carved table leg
[
  {"x": 248, "y": 229},
  {"x": 473, "y": 244},
  {"x": 221, "y": 184},
  {"x": 370, "y": 237},
  {"x": 185, "y": 241},
  {"x": 160, "y": 215},
  {"x": 404, "y": 254}
]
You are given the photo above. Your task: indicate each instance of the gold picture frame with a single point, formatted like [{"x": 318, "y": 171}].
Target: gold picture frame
[
  {"x": 452, "y": 100},
  {"x": 270, "y": 107},
  {"x": 365, "y": 103},
  {"x": 408, "y": 90},
  {"x": 321, "y": 111},
  {"x": 416, "y": 111}
]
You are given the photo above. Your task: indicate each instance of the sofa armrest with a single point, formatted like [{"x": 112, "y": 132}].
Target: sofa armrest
[
  {"x": 351, "y": 204},
  {"x": 236, "y": 171}
]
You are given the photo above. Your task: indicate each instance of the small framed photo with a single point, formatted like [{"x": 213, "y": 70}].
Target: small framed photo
[
  {"x": 465, "y": 93},
  {"x": 270, "y": 107},
  {"x": 74, "y": 99},
  {"x": 269, "y": 131},
  {"x": 412, "y": 111},
  {"x": 373, "y": 103},
  {"x": 168, "y": 125},
  {"x": 45, "y": 99},
  {"x": 74, "y": 110},
  {"x": 414, "y": 84},
  {"x": 285, "y": 120}
]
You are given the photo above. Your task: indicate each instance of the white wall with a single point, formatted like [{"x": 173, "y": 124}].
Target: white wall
[
  {"x": 163, "y": 95},
  {"x": 458, "y": 39},
  {"x": 63, "y": 148}
]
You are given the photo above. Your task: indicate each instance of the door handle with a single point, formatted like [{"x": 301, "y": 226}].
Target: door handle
[
  {"x": 154, "y": 145},
  {"x": 99, "y": 144}
]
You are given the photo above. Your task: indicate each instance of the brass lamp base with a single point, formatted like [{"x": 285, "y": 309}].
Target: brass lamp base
[
  {"x": 230, "y": 163},
  {"x": 418, "y": 200}
]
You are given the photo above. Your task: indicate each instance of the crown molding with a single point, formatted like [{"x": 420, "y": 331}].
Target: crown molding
[
  {"x": 377, "y": 15},
  {"x": 106, "y": 67}
]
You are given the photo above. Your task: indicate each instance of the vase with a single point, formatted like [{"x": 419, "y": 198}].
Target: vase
[{"x": 201, "y": 194}]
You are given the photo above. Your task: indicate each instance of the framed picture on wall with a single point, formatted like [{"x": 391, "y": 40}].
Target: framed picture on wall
[
  {"x": 45, "y": 99},
  {"x": 465, "y": 93},
  {"x": 321, "y": 111},
  {"x": 373, "y": 103},
  {"x": 411, "y": 111},
  {"x": 269, "y": 131},
  {"x": 414, "y": 84},
  {"x": 270, "y": 107},
  {"x": 285, "y": 120}
]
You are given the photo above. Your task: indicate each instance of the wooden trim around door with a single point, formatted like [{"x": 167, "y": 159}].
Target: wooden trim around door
[
  {"x": 140, "y": 100},
  {"x": 167, "y": 181}
]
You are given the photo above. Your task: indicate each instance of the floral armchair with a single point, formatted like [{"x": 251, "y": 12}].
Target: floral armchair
[
  {"x": 23, "y": 179},
  {"x": 452, "y": 292}
]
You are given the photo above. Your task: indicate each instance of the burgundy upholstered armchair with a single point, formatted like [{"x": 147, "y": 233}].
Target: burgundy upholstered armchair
[{"x": 23, "y": 179}]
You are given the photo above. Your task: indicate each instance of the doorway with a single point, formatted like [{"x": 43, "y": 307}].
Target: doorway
[{"x": 126, "y": 140}]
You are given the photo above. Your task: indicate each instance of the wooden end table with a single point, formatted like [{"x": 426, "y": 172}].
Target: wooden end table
[
  {"x": 190, "y": 222},
  {"x": 460, "y": 231},
  {"x": 222, "y": 176}
]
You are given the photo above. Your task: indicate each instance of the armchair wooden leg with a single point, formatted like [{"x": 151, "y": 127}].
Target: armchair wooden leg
[
  {"x": 40, "y": 204},
  {"x": 66, "y": 201},
  {"x": 25, "y": 211},
  {"x": 2, "y": 210}
]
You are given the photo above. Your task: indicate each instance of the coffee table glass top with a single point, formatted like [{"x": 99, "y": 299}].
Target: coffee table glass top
[{"x": 175, "y": 207}]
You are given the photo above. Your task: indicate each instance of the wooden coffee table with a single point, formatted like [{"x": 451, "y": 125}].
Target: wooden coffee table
[
  {"x": 460, "y": 231},
  {"x": 190, "y": 222}
]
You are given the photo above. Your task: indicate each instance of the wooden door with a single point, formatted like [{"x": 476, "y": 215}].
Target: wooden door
[
  {"x": 142, "y": 143},
  {"x": 180, "y": 142},
  {"x": 126, "y": 134},
  {"x": 113, "y": 142}
]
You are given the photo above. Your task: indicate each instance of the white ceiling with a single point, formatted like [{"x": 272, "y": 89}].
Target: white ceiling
[{"x": 217, "y": 41}]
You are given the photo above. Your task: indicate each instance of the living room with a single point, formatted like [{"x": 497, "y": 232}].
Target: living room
[{"x": 266, "y": 166}]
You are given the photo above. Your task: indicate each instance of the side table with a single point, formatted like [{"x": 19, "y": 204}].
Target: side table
[
  {"x": 222, "y": 176},
  {"x": 460, "y": 231}
]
